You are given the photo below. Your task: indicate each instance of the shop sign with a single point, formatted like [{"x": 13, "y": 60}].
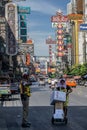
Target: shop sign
[
  {"x": 24, "y": 10},
  {"x": 83, "y": 27},
  {"x": 50, "y": 41},
  {"x": 11, "y": 45},
  {"x": 75, "y": 16},
  {"x": 57, "y": 18}
]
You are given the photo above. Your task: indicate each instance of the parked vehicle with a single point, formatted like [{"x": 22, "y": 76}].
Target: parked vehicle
[
  {"x": 5, "y": 91},
  {"x": 85, "y": 84}
]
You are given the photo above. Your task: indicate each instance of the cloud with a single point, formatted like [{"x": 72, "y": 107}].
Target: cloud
[
  {"x": 39, "y": 38},
  {"x": 42, "y": 6},
  {"x": 39, "y": 23}
]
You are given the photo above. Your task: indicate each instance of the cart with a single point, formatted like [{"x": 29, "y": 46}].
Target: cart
[{"x": 57, "y": 100}]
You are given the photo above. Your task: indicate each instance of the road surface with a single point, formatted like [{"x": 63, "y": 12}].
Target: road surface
[{"x": 40, "y": 111}]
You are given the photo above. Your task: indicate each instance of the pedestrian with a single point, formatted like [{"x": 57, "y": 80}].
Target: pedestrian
[
  {"x": 61, "y": 86},
  {"x": 25, "y": 95},
  {"x": 53, "y": 84}
]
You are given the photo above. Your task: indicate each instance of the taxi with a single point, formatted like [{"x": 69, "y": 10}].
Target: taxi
[{"x": 71, "y": 82}]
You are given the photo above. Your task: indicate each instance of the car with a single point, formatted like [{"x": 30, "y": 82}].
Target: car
[
  {"x": 85, "y": 84},
  {"x": 71, "y": 82},
  {"x": 5, "y": 91},
  {"x": 41, "y": 81}
]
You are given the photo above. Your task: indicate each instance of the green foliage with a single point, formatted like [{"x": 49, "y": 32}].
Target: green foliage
[
  {"x": 52, "y": 75},
  {"x": 77, "y": 70}
]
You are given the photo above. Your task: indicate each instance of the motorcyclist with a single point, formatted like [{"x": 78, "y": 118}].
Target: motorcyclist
[{"x": 52, "y": 84}]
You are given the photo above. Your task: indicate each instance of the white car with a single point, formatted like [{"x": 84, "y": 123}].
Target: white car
[
  {"x": 41, "y": 81},
  {"x": 85, "y": 84}
]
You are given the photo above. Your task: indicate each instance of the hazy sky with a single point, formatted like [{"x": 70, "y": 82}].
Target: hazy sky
[{"x": 39, "y": 21}]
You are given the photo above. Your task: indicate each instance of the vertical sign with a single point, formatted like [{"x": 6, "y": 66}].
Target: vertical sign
[
  {"x": 23, "y": 12},
  {"x": 50, "y": 53},
  {"x": 12, "y": 32},
  {"x": 27, "y": 59},
  {"x": 59, "y": 20}
]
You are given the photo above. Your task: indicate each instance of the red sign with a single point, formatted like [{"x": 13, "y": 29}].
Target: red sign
[
  {"x": 27, "y": 59},
  {"x": 50, "y": 41},
  {"x": 59, "y": 19},
  {"x": 60, "y": 48},
  {"x": 69, "y": 45},
  {"x": 59, "y": 31},
  {"x": 60, "y": 37},
  {"x": 60, "y": 42},
  {"x": 59, "y": 26},
  {"x": 60, "y": 54}
]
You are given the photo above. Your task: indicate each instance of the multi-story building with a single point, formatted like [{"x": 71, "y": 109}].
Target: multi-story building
[
  {"x": 13, "y": 31},
  {"x": 76, "y": 18},
  {"x": 4, "y": 58}
]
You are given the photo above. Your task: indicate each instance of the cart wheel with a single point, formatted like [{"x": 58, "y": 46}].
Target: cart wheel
[
  {"x": 66, "y": 120},
  {"x": 52, "y": 120}
]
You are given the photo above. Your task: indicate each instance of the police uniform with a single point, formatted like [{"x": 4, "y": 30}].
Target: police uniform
[{"x": 25, "y": 94}]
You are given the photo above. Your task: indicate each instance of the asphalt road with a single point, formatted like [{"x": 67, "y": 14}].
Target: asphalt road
[{"x": 40, "y": 111}]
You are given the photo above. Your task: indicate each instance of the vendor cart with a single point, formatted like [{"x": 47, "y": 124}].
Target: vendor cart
[{"x": 57, "y": 100}]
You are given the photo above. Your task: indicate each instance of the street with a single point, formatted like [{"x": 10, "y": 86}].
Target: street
[{"x": 40, "y": 111}]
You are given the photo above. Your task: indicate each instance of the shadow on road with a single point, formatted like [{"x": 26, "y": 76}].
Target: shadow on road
[{"x": 40, "y": 117}]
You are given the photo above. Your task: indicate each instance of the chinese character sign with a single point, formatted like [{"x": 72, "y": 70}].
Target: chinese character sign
[{"x": 11, "y": 18}]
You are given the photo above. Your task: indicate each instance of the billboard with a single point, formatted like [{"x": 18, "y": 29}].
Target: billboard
[
  {"x": 23, "y": 10},
  {"x": 12, "y": 28},
  {"x": 27, "y": 59},
  {"x": 3, "y": 28},
  {"x": 75, "y": 16},
  {"x": 57, "y": 18},
  {"x": 83, "y": 27},
  {"x": 50, "y": 41},
  {"x": 23, "y": 27}
]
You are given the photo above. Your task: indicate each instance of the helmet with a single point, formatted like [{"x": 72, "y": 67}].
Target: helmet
[{"x": 62, "y": 80}]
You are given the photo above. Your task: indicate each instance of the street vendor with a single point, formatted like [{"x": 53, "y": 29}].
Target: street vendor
[{"x": 61, "y": 86}]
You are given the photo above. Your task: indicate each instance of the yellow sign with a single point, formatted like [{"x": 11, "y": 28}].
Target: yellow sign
[{"x": 75, "y": 16}]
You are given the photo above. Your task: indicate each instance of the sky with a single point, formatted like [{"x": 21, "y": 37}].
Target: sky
[{"x": 39, "y": 22}]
